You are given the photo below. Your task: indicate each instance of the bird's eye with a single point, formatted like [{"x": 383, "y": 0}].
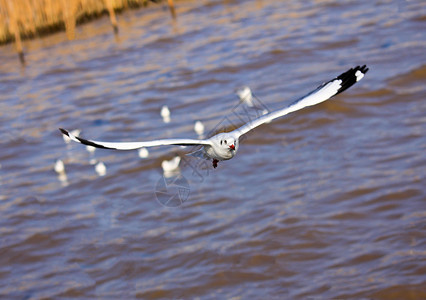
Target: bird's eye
[
  {"x": 225, "y": 141},
  {"x": 221, "y": 142}
]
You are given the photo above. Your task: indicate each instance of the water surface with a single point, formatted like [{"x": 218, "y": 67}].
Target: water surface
[{"x": 328, "y": 202}]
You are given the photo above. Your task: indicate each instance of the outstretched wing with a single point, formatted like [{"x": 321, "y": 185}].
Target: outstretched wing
[
  {"x": 320, "y": 94},
  {"x": 135, "y": 145}
]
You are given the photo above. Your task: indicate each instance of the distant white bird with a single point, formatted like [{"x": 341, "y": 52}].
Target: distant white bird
[
  {"x": 246, "y": 95},
  {"x": 100, "y": 168},
  {"x": 59, "y": 167},
  {"x": 90, "y": 149},
  {"x": 171, "y": 167},
  {"x": 165, "y": 114},
  {"x": 60, "y": 170},
  {"x": 224, "y": 146},
  {"x": 199, "y": 128},
  {"x": 143, "y": 153},
  {"x": 75, "y": 132}
]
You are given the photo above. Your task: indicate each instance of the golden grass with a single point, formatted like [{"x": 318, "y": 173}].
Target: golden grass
[{"x": 32, "y": 18}]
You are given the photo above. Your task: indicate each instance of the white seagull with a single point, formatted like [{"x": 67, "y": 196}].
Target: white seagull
[
  {"x": 165, "y": 114},
  {"x": 171, "y": 167},
  {"x": 100, "y": 168},
  {"x": 59, "y": 167},
  {"x": 143, "y": 152},
  {"x": 199, "y": 128},
  {"x": 246, "y": 95},
  {"x": 224, "y": 146},
  {"x": 75, "y": 132}
]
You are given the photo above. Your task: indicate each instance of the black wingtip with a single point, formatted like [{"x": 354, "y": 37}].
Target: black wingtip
[
  {"x": 349, "y": 78},
  {"x": 83, "y": 141},
  {"x": 90, "y": 143},
  {"x": 64, "y": 131}
]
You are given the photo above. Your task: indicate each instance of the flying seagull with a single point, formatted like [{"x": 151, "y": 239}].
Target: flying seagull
[{"x": 224, "y": 146}]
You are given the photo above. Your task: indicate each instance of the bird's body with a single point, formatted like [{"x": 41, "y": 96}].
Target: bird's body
[{"x": 224, "y": 146}]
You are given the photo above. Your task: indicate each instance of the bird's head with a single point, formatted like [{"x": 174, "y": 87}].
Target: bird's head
[{"x": 226, "y": 144}]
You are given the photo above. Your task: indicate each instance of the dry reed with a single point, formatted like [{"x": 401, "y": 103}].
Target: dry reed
[{"x": 31, "y": 18}]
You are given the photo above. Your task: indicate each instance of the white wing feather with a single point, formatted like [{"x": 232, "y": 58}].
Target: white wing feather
[
  {"x": 135, "y": 145},
  {"x": 320, "y": 94}
]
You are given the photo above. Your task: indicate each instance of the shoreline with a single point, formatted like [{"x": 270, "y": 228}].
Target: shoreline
[{"x": 26, "y": 20}]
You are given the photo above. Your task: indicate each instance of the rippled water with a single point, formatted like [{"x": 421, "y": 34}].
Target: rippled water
[{"x": 328, "y": 202}]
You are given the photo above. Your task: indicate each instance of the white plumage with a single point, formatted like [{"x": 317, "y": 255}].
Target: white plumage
[
  {"x": 246, "y": 95},
  {"x": 60, "y": 170},
  {"x": 75, "y": 132},
  {"x": 165, "y": 114},
  {"x": 171, "y": 165},
  {"x": 59, "y": 167},
  {"x": 224, "y": 146},
  {"x": 90, "y": 149},
  {"x": 199, "y": 127},
  {"x": 143, "y": 153},
  {"x": 100, "y": 168}
]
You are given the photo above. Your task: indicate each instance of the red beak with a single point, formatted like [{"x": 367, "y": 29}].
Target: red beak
[{"x": 232, "y": 147}]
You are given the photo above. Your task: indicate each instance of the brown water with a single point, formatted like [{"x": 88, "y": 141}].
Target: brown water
[{"x": 328, "y": 202}]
